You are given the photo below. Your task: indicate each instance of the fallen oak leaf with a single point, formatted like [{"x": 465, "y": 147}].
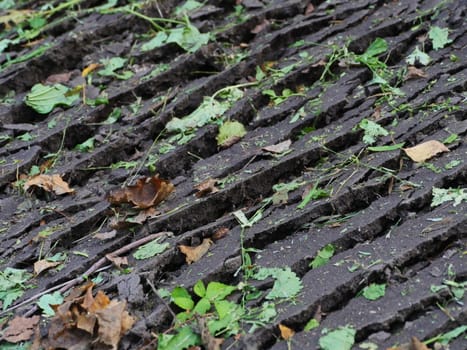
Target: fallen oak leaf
[
  {"x": 147, "y": 192},
  {"x": 50, "y": 183},
  {"x": 113, "y": 322},
  {"x": 425, "y": 150},
  {"x": 117, "y": 261},
  {"x": 144, "y": 215},
  {"x": 193, "y": 254},
  {"x": 44, "y": 264},
  {"x": 206, "y": 187},
  {"x": 278, "y": 148},
  {"x": 20, "y": 329}
]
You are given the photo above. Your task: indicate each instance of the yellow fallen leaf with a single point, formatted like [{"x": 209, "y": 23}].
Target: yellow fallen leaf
[
  {"x": 50, "y": 183},
  {"x": 425, "y": 150},
  {"x": 89, "y": 69},
  {"x": 42, "y": 265},
  {"x": 193, "y": 254},
  {"x": 286, "y": 332}
]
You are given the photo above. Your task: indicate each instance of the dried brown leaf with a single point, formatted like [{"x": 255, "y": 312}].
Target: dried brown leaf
[
  {"x": 209, "y": 341},
  {"x": 193, "y": 254},
  {"x": 286, "y": 332},
  {"x": 42, "y": 265},
  {"x": 414, "y": 344},
  {"x": 117, "y": 261},
  {"x": 58, "y": 78},
  {"x": 260, "y": 27},
  {"x": 280, "y": 147},
  {"x": 20, "y": 329},
  {"x": 113, "y": 323},
  {"x": 147, "y": 192},
  {"x": 144, "y": 215},
  {"x": 106, "y": 235},
  {"x": 425, "y": 150},
  {"x": 220, "y": 233},
  {"x": 50, "y": 183},
  {"x": 309, "y": 9},
  {"x": 206, "y": 187},
  {"x": 415, "y": 73}
]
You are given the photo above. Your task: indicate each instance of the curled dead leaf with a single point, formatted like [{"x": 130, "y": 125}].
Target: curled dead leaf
[
  {"x": 83, "y": 320},
  {"x": 280, "y": 147},
  {"x": 50, "y": 183},
  {"x": 117, "y": 260},
  {"x": 144, "y": 215},
  {"x": 220, "y": 233},
  {"x": 59, "y": 78},
  {"x": 147, "y": 192},
  {"x": 42, "y": 265},
  {"x": 20, "y": 329},
  {"x": 286, "y": 332},
  {"x": 206, "y": 187},
  {"x": 193, "y": 254},
  {"x": 425, "y": 150}
]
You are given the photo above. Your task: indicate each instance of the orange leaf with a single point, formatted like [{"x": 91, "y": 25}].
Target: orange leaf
[
  {"x": 89, "y": 69},
  {"x": 286, "y": 332},
  {"x": 50, "y": 183},
  {"x": 42, "y": 265},
  {"x": 113, "y": 323},
  {"x": 147, "y": 192},
  {"x": 425, "y": 150},
  {"x": 220, "y": 233},
  {"x": 193, "y": 254},
  {"x": 20, "y": 329}
]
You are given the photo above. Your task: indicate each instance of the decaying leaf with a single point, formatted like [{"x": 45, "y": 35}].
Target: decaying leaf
[
  {"x": 117, "y": 260},
  {"x": 83, "y": 320},
  {"x": 414, "y": 73},
  {"x": 286, "y": 332},
  {"x": 230, "y": 133},
  {"x": 50, "y": 183},
  {"x": 414, "y": 344},
  {"x": 278, "y": 148},
  {"x": 220, "y": 233},
  {"x": 193, "y": 254},
  {"x": 425, "y": 150},
  {"x": 144, "y": 215},
  {"x": 206, "y": 187},
  {"x": 106, "y": 235},
  {"x": 209, "y": 341},
  {"x": 260, "y": 27},
  {"x": 59, "y": 78},
  {"x": 44, "y": 264},
  {"x": 13, "y": 17},
  {"x": 20, "y": 329},
  {"x": 147, "y": 192}
]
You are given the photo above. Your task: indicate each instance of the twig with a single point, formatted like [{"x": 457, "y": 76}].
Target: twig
[
  {"x": 97, "y": 265},
  {"x": 161, "y": 299}
]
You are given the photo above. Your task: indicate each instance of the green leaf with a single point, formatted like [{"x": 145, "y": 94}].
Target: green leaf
[
  {"x": 446, "y": 338},
  {"x": 439, "y": 37},
  {"x": 224, "y": 308},
  {"x": 202, "y": 306},
  {"x": 287, "y": 284},
  {"x": 218, "y": 291},
  {"x": 185, "y": 338},
  {"x": 25, "y": 137},
  {"x": 441, "y": 195},
  {"x": 451, "y": 138},
  {"x": 418, "y": 56},
  {"x": 378, "y": 46},
  {"x": 86, "y": 146},
  {"x": 188, "y": 38},
  {"x": 342, "y": 338},
  {"x": 47, "y": 300},
  {"x": 150, "y": 249},
  {"x": 11, "y": 285},
  {"x": 199, "y": 289},
  {"x": 37, "y": 22},
  {"x": 229, "y": 131},
  {"x": 43, "y": 99},
  {"x": 114, "y": 116},
  {"x": 323, "y": 256},
  {"x": 311, "y": 324},
  {"x": 371, "y": 130},
  {"x": 113, "y": 64},
  {"x": 314, "y": 193},
  {"x": 386, "y": 148},
  {"x": 374, "y": 291},
  {"x": 187, "y": 7},
  {"x": 182, "y": 298},
  {"x": 155, "y": 42}
]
